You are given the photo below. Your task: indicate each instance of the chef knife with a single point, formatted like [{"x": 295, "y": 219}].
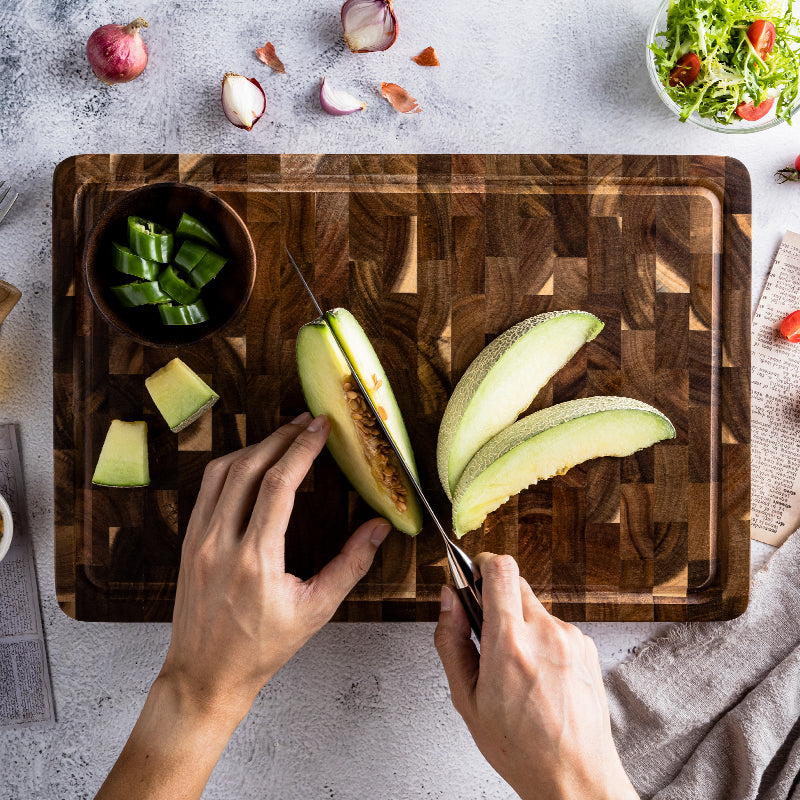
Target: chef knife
[{"x": 465, "y": 574}]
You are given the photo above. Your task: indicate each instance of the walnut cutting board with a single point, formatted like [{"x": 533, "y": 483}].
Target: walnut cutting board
[{"x": 436, "y": 255}]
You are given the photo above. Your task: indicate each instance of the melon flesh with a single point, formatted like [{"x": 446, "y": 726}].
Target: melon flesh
[
  {"x": 502, "y": 382},
  {"x": 549, "y": 443},
  {"x": 323, "y": 374},
  {"x": 123, "y": 460},
  {"x": 180, "y": 394}
]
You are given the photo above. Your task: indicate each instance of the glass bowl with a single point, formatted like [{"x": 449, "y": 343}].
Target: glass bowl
[{"x": 740, "y": 126}]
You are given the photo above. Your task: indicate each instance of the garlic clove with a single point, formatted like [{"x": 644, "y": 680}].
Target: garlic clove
[
  {"x": 399, "y": 98},
  {"x": 243, "y": 100},
  {"x": 427, "y": 58},
  {"x": 369, "y": 25},
  {"x": 268, "y": 55},
  {"x": 337, "y": 101}
]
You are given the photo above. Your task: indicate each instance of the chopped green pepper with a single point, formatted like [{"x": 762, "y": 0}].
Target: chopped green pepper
[
  {"x": 189, "y": 255},
  {"x": 176, "y": 287},
  {"x": 140, "y": 294},
  {"x": 194, "y": 229},
  {"x": 150, "y": 240},
  {"x": 184, "y": 315},
  {"x": 210, "y": 264},
  {"x": 128, "y": 262}
]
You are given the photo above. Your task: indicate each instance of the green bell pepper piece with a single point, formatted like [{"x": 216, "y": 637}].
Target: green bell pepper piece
[
  {"x": 184, "y": 315},
  {"x": 140, "y": 294},
  {"x": 192, "y": 228},
  {"x": 128, "y": 262},
  {"x": 189, "y": 255},
  {"x": 150, "y": 240},
  {"x": 210, "y": 264},
  {"x": 176, "y": 287}
]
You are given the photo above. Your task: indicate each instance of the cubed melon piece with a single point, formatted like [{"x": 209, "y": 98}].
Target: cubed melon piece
[
  {"x": 123, "y": 460},
  {"x": 180, "y": 394}
]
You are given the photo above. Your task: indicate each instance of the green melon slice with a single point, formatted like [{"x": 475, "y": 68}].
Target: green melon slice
[
  {"x": 180, "y": 394},
  {"x": 123, "y": 459},
  {"x": 362, "y": 454},
  {"x": 502, "y": 382},
  {"x": 549, "y": 443}
]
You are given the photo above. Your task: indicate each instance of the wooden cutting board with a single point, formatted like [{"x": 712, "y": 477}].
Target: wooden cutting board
[{"x": 436, "y": 255}]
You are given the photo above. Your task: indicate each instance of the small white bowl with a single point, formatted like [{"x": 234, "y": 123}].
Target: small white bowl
[{"x": 8, "y": 527}]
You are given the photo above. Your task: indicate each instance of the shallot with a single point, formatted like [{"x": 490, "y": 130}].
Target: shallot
[
  {"x": 117, "y": 53},
  {"x": 337, "y": 101},
  {"x": 369, "y": 25},
  {"x": 243, "y": 100}
]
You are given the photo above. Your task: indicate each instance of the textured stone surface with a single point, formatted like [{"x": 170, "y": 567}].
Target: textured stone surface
[{"x": 363, "y": 710}]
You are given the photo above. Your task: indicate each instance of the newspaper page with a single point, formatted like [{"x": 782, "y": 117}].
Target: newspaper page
[
  {"x": 775, "y": 416},
  {"x": 26, "y": 695}
]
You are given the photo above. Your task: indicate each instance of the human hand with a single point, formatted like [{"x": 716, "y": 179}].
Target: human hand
[
  {"x": 534, "y": 699},
  {"x": 239, "y": 617}
]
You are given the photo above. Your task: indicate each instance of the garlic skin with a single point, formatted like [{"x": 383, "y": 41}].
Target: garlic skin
[
  {"x": 338, "y": 102},
  {"x": 243, "y": 100},
  {"x": 369, "y": 26}
]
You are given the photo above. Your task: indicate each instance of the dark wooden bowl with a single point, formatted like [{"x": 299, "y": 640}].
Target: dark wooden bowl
[{"x": 225, "y": 297}]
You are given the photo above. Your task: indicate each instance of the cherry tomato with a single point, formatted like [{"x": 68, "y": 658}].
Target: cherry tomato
[
  {"x": 797, "y": 164},
  {"x": 685, "y": 71},
  {"x": 751, "y": 112},
  {"x": 790, "y": 327},
  {"x": 762, "y": 36}
]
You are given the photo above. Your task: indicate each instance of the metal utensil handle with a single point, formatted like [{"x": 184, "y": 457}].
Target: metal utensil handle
[{"x": 469, "y": 596}]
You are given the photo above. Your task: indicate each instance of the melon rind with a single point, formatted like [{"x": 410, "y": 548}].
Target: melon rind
[
  {"x": 513, "y": 460},
  {"x": 467, "y": 426},
  {"x": 322, "y": 370}
]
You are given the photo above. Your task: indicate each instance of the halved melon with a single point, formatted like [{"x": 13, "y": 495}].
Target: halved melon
[
  {"x": 180, "y": 394},
  {"x": 502, "y": 382},
  {"x": 123, "y": 459},
  {"x": 355, "y": 441},
  {"x": 549, "y": 443}
]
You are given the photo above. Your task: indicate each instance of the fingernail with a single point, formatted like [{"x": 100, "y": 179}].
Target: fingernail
[
  {"x": 318, "y": 423},
  {"x": 446, "y": 599},
  {"x": 379, "y": 533},
  {"x": 302, "y": 419}
]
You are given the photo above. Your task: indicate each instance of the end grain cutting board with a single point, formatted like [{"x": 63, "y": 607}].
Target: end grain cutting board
[{"x": 436, "y": 255}]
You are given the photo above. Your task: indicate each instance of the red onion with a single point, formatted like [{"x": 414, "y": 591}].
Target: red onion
[
  {"x": 338, "y": 102},
  {"x": 243, "y": 100},
  {"x": 369, "y": 25},
  {"x": 117, "y": 53}
]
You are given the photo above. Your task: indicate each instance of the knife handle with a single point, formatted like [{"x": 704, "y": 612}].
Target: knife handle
[{"x": 470, "y": 597}]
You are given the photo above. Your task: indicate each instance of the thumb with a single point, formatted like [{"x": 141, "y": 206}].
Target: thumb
[
  {"x": 336, "y": 579},
  {"x": 456, "y": 650}
]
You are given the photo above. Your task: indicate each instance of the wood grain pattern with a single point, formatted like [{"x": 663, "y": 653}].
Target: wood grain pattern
[{"x": 436, "y": 255}]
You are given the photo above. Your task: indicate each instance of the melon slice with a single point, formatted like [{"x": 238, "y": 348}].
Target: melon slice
[
  {"x": 355, "y": 442},
  {"x": 123, "y": 458},
  {"x": 503, "y": 381},
  {"x": 180, "y": 394},
  {"x": 549, "y": 443}
]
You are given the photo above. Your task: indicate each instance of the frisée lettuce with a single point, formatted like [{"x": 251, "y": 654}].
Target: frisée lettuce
[{"x": 731, "y": 73}]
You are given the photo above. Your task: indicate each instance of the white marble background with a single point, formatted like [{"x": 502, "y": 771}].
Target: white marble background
[{"x": 363, "y": 710}]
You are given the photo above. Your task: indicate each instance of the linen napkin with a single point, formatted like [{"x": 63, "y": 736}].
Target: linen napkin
[{"x": 712, "y": 711}]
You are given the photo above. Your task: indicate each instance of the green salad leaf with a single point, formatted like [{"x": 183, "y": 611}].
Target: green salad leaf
[{"x": 731, "y": 71}]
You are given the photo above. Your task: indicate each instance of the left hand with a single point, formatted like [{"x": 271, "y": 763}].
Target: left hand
[{"x": 239, "y": 616}]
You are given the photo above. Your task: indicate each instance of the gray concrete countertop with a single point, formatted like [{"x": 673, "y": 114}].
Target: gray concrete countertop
[{"x": 363, "y": 710}]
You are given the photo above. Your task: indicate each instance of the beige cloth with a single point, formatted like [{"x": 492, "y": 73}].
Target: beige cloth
[{"x": 712, "y": 711}]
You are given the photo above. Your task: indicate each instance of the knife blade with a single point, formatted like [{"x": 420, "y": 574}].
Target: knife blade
[{"x": 466, "y": 575}]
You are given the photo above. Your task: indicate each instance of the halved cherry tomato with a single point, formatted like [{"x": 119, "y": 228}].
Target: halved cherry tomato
[
  {"x": 685, "y": 71},
  {"x": 790, "y": 327},
  {"x": 752, "y": 112},
  {"x": 762, "y": 36}
]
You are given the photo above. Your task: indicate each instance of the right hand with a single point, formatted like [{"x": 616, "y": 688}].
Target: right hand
[{"x": 534, "y": 699}]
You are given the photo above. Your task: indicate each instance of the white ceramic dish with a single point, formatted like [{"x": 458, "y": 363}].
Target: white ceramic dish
[{"x": 8, "y": 527}]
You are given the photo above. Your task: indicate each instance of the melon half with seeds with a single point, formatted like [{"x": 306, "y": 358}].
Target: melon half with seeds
[
  {"x": 355, "y": 440},
  {"x": 549, "y": 443},
  {"x": 503, "y": 381}
]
